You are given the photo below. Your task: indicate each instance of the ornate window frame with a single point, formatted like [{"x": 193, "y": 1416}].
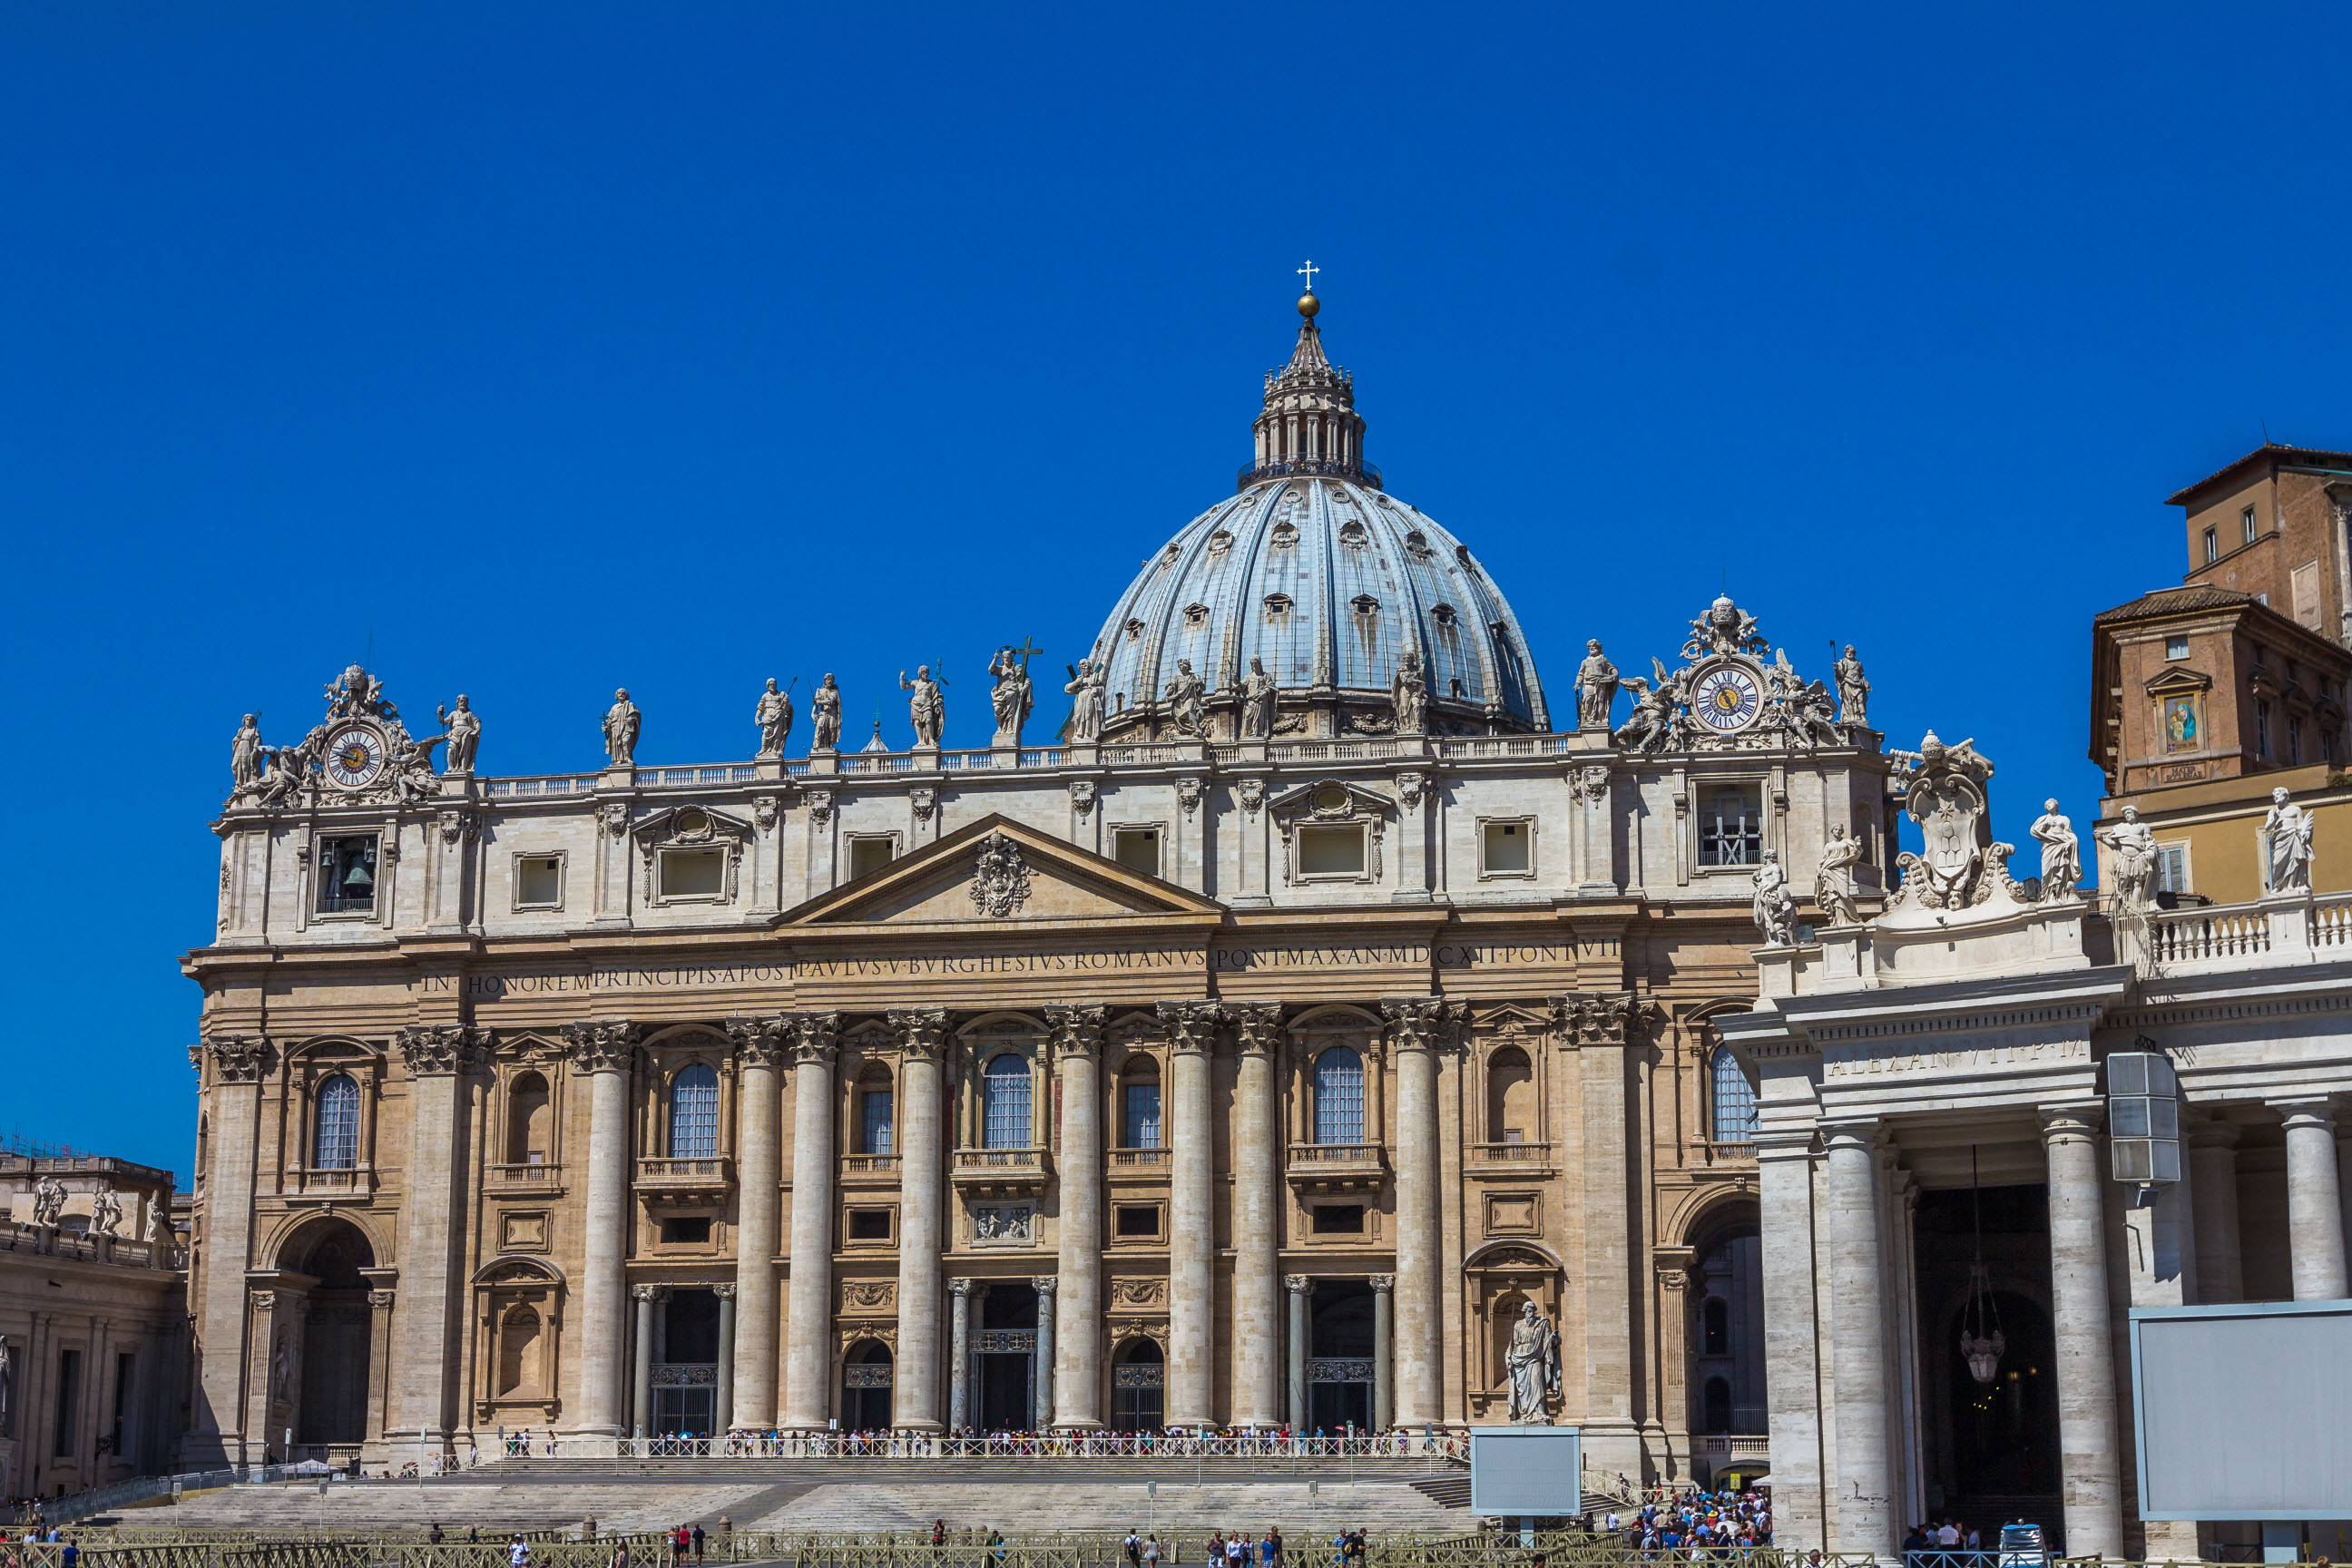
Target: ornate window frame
[
  {"x": 1330, "y": 803},
  {"x": 515, "y": 902},
  {"x": 1535, "y": 841},
  {"x": 692, "y": 827}
]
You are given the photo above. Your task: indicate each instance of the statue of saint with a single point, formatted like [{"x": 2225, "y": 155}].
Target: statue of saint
[
  {"x": 1853, "y": 689},
  {"x": 1834, "y": 883},
  {"x": 1011, "y": 695},
  {"x": 825, "y": 715},
  {"x": 245, "y": 753},
  {"x": 928, "y": 707},
  {"x": 1774, "y": 909},
  {"x": 1086, "y": 712},
  {"x": 1596, "y": 687},
  {"x": 464, "y": 729},
  {"x": 48, "y": 1201},
  {"x": 157, "y": 1232},
  {"x": 622, "y": 721},
  {"x": 2134, "y": 847},
  {"x": 1533, "y": 1362},
  {"x": 2286, "y": 836},
  {"x": 1184, "y": 694},
  {"x": 773, "y": 715},
  {"x": 1408, "y": 694},
  {"x": 1257, "y": 702},
  {"x": 105, "y": 1213},
  {"x": 2062, "y": 852}
]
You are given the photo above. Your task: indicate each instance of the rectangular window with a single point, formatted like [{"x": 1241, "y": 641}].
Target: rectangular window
[
  {"x": 869, "y": 1224},
  {"x": 2212, "y": 546},
  {"x": 1136, "y": 848},
  {"x": 1506, "y": 848},
  {"x": 1731, "y": 827},
  {"x": 539, "y": 882},
  {"x": 693, "y": 1230},
  {"x": 1338, "y": 1219},
  {"x": 2263, "y": 730},
  {"x": 867, "y": 855},
  {"x": 347, "y": 875},
  {"x": 2172, "y": 868},
  {"x": 1331, "y": 850},
  {"x": 693, "y": 873},
  {"x": 2246, "y": 519},
  {"x": 68, "y": 1403},
  {"x": 1141, "y": 1108},
  {"x": 2294, "y": 742},
  {"x": 125, "y": 1365},
  {"x": 2176, "y": 647},
  {"x": 874, "y": 1121},
  {"x": 1141, "y": 1219}
]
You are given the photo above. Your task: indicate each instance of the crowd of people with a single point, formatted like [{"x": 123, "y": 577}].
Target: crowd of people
[
  {"x": 1696, "y": 1520},
  {"x": 1949, "y": 1536}
]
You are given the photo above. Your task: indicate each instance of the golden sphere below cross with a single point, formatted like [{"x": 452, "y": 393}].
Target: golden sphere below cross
[{"x": 1307, "y": 305}]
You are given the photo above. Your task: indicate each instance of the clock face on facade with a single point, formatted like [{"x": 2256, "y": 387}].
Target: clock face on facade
[
  {"x": 355, "y": 756},
  {"x": 1727, "y": 697}
]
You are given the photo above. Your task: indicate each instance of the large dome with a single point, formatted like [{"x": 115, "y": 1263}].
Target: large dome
[{"x": 1314, "y": 570}]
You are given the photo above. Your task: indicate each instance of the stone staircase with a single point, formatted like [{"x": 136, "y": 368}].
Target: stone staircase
[
  {"x": 459, "y": 1504},
  {"x": 1019, "y": 1506}
]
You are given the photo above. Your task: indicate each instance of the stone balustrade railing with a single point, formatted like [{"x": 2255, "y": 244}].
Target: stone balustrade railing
[
  {"x": 55, "y": 1241},
  {"x": 2294, "y": 926}
]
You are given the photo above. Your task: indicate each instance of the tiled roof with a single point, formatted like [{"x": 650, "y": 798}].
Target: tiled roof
[
  {"x": 2173, "y": 601},
  {"x": 2293, "y": 456}
]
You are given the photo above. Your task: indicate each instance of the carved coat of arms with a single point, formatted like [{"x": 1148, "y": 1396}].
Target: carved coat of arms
[{"x": 1000, "y": 882}]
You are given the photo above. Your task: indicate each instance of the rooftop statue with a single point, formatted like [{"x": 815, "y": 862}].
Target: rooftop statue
[
  {"x": 622, "y": 723},
  {"x": 1853, "y": 689},
  {"x": 928, "y": 707},
  {"x": 825, "y": 715},
  {"x": 1596, "y": 687},
  {"x": 2133, "y": 845},
  {"x": 1408, "y": 694},
  {"x": 245, "y": 758},
  {"x": 1257, "y": 691},
  {"x": 1012, "y": 696},
  {"x": 1774, "y": 909},
  {"x": 773, "y": 715},
  {"x": 1833, "y": 882},
  {"x": 2062, "y": 852},
  {"x": 1184, "y": 695},
  {"x": 2286, "y": 842},
  {"x": 1085, "y": 713},
  {"x": 465, "y": 735}
]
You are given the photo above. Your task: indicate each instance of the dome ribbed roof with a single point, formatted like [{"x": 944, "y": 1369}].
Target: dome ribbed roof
[{"x": 1328, "y": 581}]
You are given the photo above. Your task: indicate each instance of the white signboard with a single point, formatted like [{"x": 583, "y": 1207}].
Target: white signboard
[
  {"x": 2239, "y": 1410},
  {"x": 1518, "y": 1472}
]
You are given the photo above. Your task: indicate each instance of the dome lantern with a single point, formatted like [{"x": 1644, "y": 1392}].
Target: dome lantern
[{"x": 1309, "y": 424}]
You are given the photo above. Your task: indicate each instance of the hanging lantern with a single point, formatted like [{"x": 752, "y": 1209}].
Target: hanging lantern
[{"x": 1981, "y": 1340}]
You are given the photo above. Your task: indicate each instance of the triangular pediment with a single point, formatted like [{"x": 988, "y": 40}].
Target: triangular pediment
[
  {"x": 2176, "y": 678},
  {"x": 999, "y": 873}
]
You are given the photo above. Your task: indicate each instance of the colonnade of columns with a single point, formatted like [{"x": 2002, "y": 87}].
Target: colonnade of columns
[{"x": 933, "y": 1311}]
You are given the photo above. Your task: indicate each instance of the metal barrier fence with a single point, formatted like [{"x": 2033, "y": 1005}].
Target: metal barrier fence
[{"x": 1436, "y": 1445}]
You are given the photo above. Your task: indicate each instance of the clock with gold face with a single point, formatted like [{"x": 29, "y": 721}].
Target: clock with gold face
[
  {"x": 1726, "y": 699},
  {"x": 354, "y": 757}
]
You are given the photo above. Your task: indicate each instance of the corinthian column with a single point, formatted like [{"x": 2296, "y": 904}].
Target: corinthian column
[
  {"x": 914, "y": 1404},
  {"x": 959, "y": 1354},
  {"x": 2086, "y": 1349},
  {"x": 601, "y": 1052},
  {"x": 1257, "y": 1168},
  {"x": 1422, "y": 1027},
  {"x": 1192, "y": 1215},
  {"x": 436, "y": 1058},
  {"x": 807, "y": 1354},
  {"x": 1077, "y": 1348},
  {"x": 233, "y": 1068},
  {"x": 760, "y": 1048},
  {"x": 2315, "y": 1202}
]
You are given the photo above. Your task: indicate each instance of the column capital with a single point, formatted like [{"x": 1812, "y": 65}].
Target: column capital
[
  {"x": 1424, "y": 1023},
  {"x": 1605, "y": 1018},
  {"x": 960, "y": 1287},
  {"x": 724, "y": 1293},
  {"x": 380, "y": 1299},
  {"x": 1784, "y": 1143},
  {"x": 2210, "y": 1132},
  {"x": 1257, "y": 1026},
  {"x": 921, "y": 1031},
  {"x": 1380, "y": 1282},
  {"x": 815, "y": 1038},
  {"x": 440, "y": 1051},
  {"x": 649, "y": 1293},
  {"x": 2074, "y": 1119},
  {"x": 1868, "y": 1135},
  {"x": 2306, "y": 1110},
  {"x": 760, "y": 1041},
  {"x": 1077, "y": 1031},
  {"x": 1043, "y": 1283},
  {"x": 1192, "y": 1026},
  {"x": 1298, "y": 1284},
  {"x": 603, "y": 1044},
  {"x": 238, "y": 1059}
]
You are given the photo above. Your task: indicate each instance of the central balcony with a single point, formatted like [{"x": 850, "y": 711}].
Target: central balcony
[
  {"x": 707, "y": 1177},
  {"x": 1338, "y": 1167},
  {"x": 1001, "y": 1173}
]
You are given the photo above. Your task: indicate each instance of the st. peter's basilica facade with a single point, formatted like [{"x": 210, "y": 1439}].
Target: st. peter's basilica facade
[{"x": 1253, "y": 1053}]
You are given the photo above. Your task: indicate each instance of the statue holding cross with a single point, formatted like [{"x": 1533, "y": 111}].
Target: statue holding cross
[{"x": 1011, "y": 695}]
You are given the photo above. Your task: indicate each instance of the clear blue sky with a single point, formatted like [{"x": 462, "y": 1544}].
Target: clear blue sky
[{"x": 548, "y": 348}]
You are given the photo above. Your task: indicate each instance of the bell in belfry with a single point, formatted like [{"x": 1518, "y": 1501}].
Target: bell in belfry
[{"x": 358, "y": 880}]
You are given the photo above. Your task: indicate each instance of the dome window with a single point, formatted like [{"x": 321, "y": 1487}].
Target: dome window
[
  {"x": 1461, "y": 554},
  {"x": 1195, "y": 615},
  {"x": 1365, "y": 605},
  {"x": 1278, "y": 605},
  {"x": 1220, "y": 541},
  {"x": 1416, "y": 544},
  {"x": 1134, "y": 630},
  {"x": 1286, "y": 534},
  {"x": 1353, "y": 536},
  {"x": 1442, "y": 613},
  {"x": 1171, "y": 554}
]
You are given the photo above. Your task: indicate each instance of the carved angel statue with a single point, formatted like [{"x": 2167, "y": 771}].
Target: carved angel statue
[
  {"x": 1596, "y": 687},
  {"x": 928, "y": 708},
  {"x": 1533, "y": 1362},
  {"x": 1258, "y": 701},
  {"x": 773, "y": 715},
  {"x": 2286, "y": 838},
  {"x": 2134, "y": 847},
  {"x": 622, "y": 722},
  {"x": 825, "y": 715},
  {"x": 464, "y": 729},
  {"x": 1853, "y": 689},
  {"x": 1408, "y": 694},
  {"x": 1816, "y": 713},
  {"x": 1774, "y": 909},
  {"x": 1651, "y": 726},
  {"x": 1011, "y": 695},
  {"x": 1184, "y": 694},
  {"x": 1833, "y": 882},
  {"x": 1086, "y": 711},
  {"x": 105, "y": 1213},
  {"x": 48, "y": 1201},
  {"x": 245, "y": 759},
  {"x": 2062, "y": 852},
  {"x": 288, "y": 774}
]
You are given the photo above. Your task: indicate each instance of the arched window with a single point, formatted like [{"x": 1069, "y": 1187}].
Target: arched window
[
  {"x": 338, "y": 1124},
  {"x": 694, "y": 1113},
  {"x": 1005, "y": 1101},
  {"x": 1732, "y": 1096},
  {"x": 530, "y": 1121},
  {"x": 874, "y": 1113},
  {"x": 1510, "y": 1097},
  {"x": 519, "y": 1347},
  {"x": 1140, "y": 1107},
  {"x": 1339, "y": 1097}
]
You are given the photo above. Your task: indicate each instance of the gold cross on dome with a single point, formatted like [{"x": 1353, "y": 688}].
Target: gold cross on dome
[{"x": 1309, "y": 272}]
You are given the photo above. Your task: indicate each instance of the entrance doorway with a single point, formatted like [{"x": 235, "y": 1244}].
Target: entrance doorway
[
  {"x": 1004, "y": 1357},
  {"x": 1340, "y": 1356},
  {"x": 865, "y": 1375},
  {"x": 335, "y": 1336},
  {"x": 685, "y": 1370},
  {"x": 1139, "y": 1378}
]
